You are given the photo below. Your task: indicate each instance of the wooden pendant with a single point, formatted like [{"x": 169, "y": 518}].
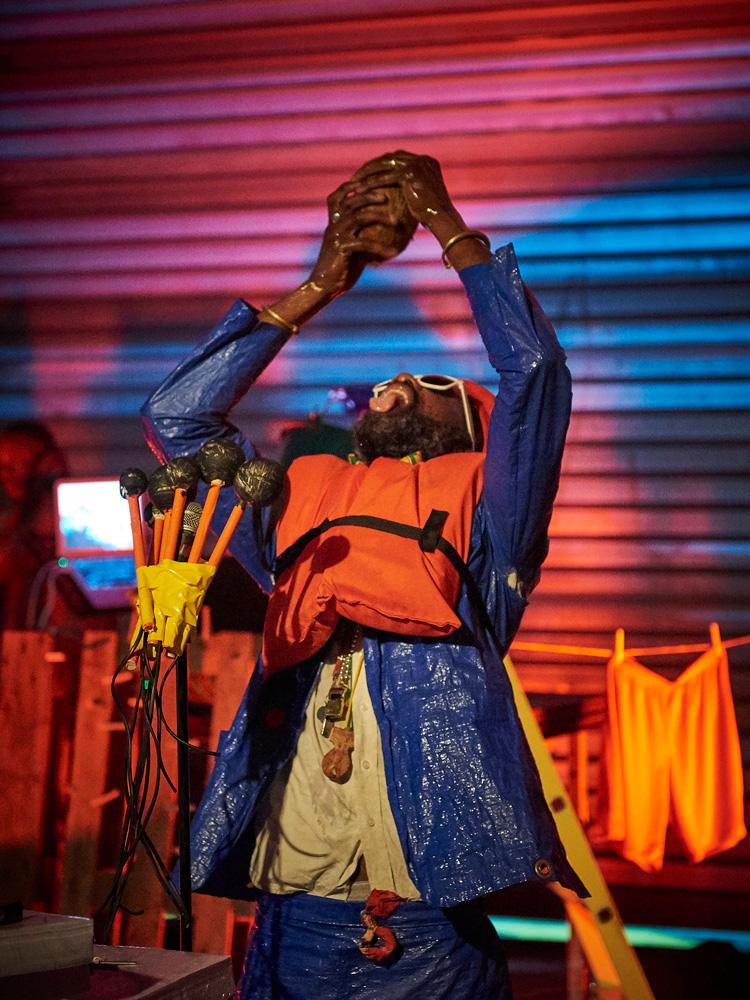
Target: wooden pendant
[{"x": 337, "y": 763}]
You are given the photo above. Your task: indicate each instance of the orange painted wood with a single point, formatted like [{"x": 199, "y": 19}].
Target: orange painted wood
[
  {"x": 136, "y": 528},
  {"x": 26, "y": 688},
  {"x": 205, "y": 521},
  {"x": 226, "y": 535},
  {"x": 229, "y": 658},
  {"x": 83, "y": 885},
  {"x": 171, "y": 534}
]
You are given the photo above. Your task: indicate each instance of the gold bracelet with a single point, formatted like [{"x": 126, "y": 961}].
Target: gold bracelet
[
  {"x": 475, "y": 234},
  {"x": 291, "y": 327}
]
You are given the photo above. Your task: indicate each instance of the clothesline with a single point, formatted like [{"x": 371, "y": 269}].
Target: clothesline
[{"x": 545, "y": 647}]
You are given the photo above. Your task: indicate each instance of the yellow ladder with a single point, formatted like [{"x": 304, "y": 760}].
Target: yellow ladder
[{"x": 613, "y": 963}]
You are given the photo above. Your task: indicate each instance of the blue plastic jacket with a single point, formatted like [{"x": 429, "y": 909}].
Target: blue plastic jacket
[{"x": 462, "y": 784}]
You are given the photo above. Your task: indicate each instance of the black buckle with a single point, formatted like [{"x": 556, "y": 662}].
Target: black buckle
[{"x": 430, "y": 534}]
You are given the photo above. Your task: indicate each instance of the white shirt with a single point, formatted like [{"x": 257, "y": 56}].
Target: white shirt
[{"x": 311, "y": 832}]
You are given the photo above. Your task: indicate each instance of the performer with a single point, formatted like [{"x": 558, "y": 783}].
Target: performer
[
  {"x": 377, "y": 762},
  {"x": 30, "y": 461}
]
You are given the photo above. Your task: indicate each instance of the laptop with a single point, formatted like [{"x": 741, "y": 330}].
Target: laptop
[{"x": 93, "y": 539}]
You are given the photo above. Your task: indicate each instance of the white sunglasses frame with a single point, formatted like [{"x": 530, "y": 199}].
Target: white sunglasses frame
[{"x": 450, "y": 383}]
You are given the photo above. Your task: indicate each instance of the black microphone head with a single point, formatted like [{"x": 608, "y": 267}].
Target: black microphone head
[
  {"x": 160, "y": 491},
  {"x": 133, "y": 482},
  {"x": 148, "y": 514},
  {"x": 219, "y": 459},
  {"x": 259, "y": 482},
  {"x": 182, "y": 473}
]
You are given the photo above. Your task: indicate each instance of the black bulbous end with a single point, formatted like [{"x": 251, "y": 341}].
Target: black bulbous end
[
  {"x": 259, "y": 482},
  {"x": 160, "y": 491},
  {"x": 182, "y": 473},
  {"x": 219, "y": 459},
  {"x": 133, "y": 482}
]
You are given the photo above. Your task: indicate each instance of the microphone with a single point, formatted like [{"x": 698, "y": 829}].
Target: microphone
[
  {"x": 218, "y": 461},
  {"x": 258, "y": 483},
  {"x": 190, "y": 522}
]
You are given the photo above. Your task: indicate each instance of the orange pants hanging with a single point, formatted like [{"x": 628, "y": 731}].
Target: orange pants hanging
[{"x": 672, "y": 753}]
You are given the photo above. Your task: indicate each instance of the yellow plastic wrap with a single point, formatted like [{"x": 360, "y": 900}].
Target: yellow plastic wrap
[{"x": 176, "y": 590}]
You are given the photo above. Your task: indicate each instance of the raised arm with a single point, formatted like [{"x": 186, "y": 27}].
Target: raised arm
[
  {"x": 532, "y": 408},
  {"x": 193, "y": 404},
  {"x": 529, "y": 419}
]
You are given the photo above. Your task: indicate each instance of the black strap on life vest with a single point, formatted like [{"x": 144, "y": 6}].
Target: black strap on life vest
[{"x": 429, "y": 537}]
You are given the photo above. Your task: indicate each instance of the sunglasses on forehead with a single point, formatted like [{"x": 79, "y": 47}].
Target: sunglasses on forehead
[{"x": 439, "y": 383}]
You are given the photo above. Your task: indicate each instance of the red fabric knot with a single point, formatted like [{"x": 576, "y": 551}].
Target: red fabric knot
[{"x": 380, "y": 904}]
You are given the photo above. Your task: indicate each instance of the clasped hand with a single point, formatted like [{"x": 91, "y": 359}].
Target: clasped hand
[
  {"x": 361, "y": 202},
  {"x": 420, "y": 179}
]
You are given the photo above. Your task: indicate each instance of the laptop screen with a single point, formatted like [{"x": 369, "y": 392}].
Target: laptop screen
[{"x": 92, "y": 518}]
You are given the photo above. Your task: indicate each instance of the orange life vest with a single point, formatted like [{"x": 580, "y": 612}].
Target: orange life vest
[{"x": 378, "y": 579}]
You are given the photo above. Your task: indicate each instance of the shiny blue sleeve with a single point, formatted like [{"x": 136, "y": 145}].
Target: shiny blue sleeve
[
  {"x": 193, "y": 404},
  {"x": 529, "y": 419}
]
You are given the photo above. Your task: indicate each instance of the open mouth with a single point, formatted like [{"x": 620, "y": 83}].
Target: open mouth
[{"x": 397, "y": 394}]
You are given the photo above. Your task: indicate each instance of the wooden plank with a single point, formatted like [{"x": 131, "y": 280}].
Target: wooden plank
[
  {"x": 82, "y": 887},
  {"x": 709, "y": 876},
  {"x": 229, "y": 657},
  {"x": 26, "y": 726}
]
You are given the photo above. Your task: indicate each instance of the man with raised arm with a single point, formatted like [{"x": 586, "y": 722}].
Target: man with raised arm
[{"x": 376, "y": 781}]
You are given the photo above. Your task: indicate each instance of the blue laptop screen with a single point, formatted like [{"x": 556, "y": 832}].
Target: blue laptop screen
[{"x": 92, "y": 518}]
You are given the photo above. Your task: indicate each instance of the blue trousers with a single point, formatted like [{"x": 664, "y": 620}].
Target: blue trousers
[{"x": 305, "y": 947}]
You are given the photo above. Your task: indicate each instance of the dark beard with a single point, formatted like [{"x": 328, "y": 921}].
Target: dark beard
[{"x": 404, "y": 430}]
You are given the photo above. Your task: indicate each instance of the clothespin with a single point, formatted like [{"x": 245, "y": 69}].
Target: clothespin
[
  {"x": 620, "y": 642},
  {"x": 715, "y": 635}
]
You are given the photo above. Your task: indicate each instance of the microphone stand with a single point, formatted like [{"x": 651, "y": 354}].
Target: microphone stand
[{"x": 183, "y": 802}]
